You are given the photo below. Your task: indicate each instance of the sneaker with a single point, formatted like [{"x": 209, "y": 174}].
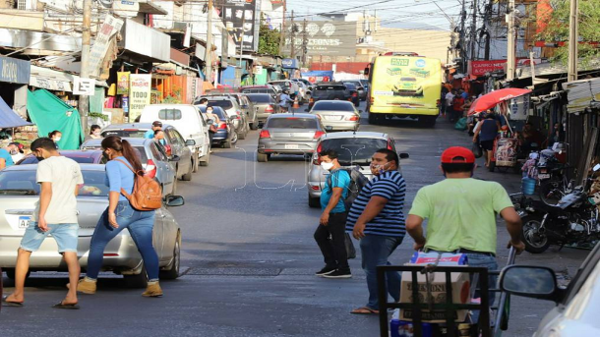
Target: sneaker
[
  {"x": 86, "y": 286},
  {"x": 326, "y": 270},
  {"x": 153, "y": 290},
  {"x": 338, "y": 273}
]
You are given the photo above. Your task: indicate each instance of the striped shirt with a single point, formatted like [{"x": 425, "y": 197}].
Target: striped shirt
[{"x": 390, "y": 221}]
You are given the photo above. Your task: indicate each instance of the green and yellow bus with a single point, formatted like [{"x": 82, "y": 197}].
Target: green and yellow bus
[{"x": 404, "y": 86}]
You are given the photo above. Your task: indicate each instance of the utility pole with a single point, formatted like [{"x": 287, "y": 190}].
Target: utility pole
[
  {"x": 293, "y": 37},
  {"x": 510, "y": 36},
  {"x": 209, "y": 38},
  {"x": 304, "y": 43},
  {"x": 463, "y": 17},
  {"x": 573, "y": 40},
  {"x": 473, "y": 30},
  {"x": 86, "y": 36}
]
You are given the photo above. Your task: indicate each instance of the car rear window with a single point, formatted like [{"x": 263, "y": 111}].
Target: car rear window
[
  {"x": 292, "y": 123},
  {"x": 169, "y": 114},
  {"x": 24, "y": 183},
  {"x": 354, "y": 151},
  {"x": 334, "y": 106},
  {"x": 225, "y": 104},
  {"x": 330, "y": 87},
  {"x": 260, "y": 98},
  {"x": 350, "y": 86},
  {"x": 125, "y": 133}
]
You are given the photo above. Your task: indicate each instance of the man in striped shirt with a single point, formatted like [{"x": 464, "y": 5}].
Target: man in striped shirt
[{"x": 376, "y": 218}]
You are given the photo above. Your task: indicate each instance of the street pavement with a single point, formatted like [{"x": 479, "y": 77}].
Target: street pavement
[{"x": 250, "y": 258}]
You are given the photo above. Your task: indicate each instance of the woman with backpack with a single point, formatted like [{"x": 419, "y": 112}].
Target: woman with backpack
[{"x": 120, "y": 214}]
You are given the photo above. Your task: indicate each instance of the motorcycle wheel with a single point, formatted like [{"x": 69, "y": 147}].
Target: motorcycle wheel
[
  {"x": 535, "y": 242},
  {"x": 551, "y": 192}
]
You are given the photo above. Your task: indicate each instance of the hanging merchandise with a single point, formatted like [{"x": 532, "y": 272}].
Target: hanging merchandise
[
  {"x": 125, "y": 105},
  {"x": 123, "y": 83},
  {"x": 140, "y": 88}
]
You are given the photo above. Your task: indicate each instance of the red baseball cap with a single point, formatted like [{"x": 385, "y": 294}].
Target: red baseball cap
[{"x": 458, "y": 154}]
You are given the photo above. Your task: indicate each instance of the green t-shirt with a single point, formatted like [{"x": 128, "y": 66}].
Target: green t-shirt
[{"x": 462, "y": 213}]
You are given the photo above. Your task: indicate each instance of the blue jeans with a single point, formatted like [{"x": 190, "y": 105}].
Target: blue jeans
[
  {"x": 140, "y": 226},
  {"x": 375, "y": 250},
  {"x": 489, "y": 262}
]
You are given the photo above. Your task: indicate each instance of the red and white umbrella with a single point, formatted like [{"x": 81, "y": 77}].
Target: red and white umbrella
[{"x": 492, "y": 99}]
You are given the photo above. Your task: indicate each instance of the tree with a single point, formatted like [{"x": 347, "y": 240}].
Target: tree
[
  {"x": 557, "y": 29},
  {"x": 268, "y": 40}
]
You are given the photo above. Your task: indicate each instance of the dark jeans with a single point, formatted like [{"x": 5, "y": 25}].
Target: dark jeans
[
  {"x": 334, "y": 248},
  {"x": 375, "y": 250},
  {"x": 140, "y": 226}
]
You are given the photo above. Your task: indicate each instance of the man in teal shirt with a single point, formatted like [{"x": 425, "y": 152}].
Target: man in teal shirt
[
  {"x": 333, "y": 219},
  {"x": 5, "y": 159},
  {"x": 157, "y": 125}
]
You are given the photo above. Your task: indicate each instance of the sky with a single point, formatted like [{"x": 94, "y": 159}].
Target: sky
[{"x": 416, "y": 14}]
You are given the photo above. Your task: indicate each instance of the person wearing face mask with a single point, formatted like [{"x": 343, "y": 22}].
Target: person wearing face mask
[
  {"x": 6, "y": 159},
  {"x": 16, "y": 151},
  {"x": 94, "y": 133},
  {"x": 376, "y": 218},
  {"x": 55, "y": 136},
  {"x": 333, "y": 218}
]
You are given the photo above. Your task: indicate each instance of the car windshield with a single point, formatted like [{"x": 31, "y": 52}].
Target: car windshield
[
  {"x": 225, "y": 104},
  {"x": 24, "y": 183},
  {"x": 354, "y": 151},
  {"x": 333, "y": 106},
  {"x": 260, "y": 98},
  {"x": 81, "y": 158},
  {"x": 292, "y": 123},
  {"x": 219, "y": 112},
  {"x": 127, "y": 133}
]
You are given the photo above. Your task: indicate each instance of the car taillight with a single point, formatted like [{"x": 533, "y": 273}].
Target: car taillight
[
  {"x": 168, "y": 148},
  {"x": 316, "y": 187},
  {"x": 318, "y": 134},
  {"x": 223, "y": 126},
  {"x": 265, "y": 134},
  {"x": 317, "y": 157},
  {"x": 389, "y": 146},
  {"x": 269, "y": 108},
  {"x": 354, "y": 94},
  {"x": 352, "y": 118},
  {"x": 150, "y": 169}
]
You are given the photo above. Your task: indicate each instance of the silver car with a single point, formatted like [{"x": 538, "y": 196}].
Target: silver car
[
  {"x": 265, "y": 104},
  {"x": 354, "y": 149},
  {"x": 18, "y": 194},
  {"x": 337, "y": 115},
  {"x": 289, "y": 134},
  {"x": 153, "y": 158}
]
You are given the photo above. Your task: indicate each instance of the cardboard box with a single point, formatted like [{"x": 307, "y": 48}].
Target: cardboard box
[{"x": 437, "y": 283}]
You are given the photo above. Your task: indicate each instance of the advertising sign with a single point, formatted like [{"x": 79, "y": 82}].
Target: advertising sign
[
  {"x": 290, "y": 64},
  {"x": 332, "y": 38},
  {"x": 123, "y": 83},
  {"x": 243, "y": 17},
  {"x": 14, "y": 70},
  {"x": 125, "y": 104},
  {"x": 139, "y": 94},
  {"x": 84, "y": 86},
  {"x": 480, "y": 68},
  {"x": 110, "y": 27}
]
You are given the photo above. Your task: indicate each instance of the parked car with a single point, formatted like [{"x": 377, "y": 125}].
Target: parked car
[
  {"x": 18, "y": 195},
  {"x": 354, "y": 149},
  {"x": 225, "y": 135},
  {"x": 289, "y": 134},
  {"x": 154, "y": 160},
  {"x": 266, "y": 106},
  {"x": 362, "y": 91},
  {"x": 234, "y": 111},
  {"x": 188, "y": 121},
  {"x": 337, "y": 115},
  {"x": 577, "y": 305},
  {"x": 272, "y": 90},
  {"x": 354, "y": 98},
  {"x": 330, "y": 91},
  {"x": 175, "y": 145},
  {"x": 80, "y": 156}
]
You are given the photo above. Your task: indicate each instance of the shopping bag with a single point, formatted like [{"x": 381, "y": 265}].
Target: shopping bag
[
  {"x": 477, "y": 152},
  {"x": 461, "y": 124},
  {"x": 350, "y": 250}
]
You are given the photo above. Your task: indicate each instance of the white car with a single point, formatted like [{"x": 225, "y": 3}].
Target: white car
[
  {"x": 577, "y": 306},
  {"x": 188, "y": 120}
]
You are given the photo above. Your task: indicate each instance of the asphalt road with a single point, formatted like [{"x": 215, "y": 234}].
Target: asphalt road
[{"x": 249, "y": 258}]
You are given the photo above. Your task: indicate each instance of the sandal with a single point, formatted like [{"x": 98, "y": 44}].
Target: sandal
[
  {"x": 11, "y": 304},
  {"x": 61, "y": 305},
  {"x": 365, "y": 311}
]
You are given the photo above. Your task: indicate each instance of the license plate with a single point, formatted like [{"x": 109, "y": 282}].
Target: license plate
[
  {"x": 291, "y": 146},
  {"x": 543, "y": 176},
  {"x": 334, "y": 118},
  {"x": 24, "y": 221}
]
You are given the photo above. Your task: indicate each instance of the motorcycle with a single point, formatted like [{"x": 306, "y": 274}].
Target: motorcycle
[{"x": 574, "y": 220}]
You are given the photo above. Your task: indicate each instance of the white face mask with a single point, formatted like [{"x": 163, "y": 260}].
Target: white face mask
[
  {"x": 326, "y": 166},
  {"x": 57, "y": 139}
]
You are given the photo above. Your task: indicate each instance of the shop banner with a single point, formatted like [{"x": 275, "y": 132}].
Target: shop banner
[
  {"x": 123, "y": 83},
  {"x": 14, "y": 70},
  {"x": 139, "y": 94},
  {"x": 243, "y": 17},
  {"x": 480, "y": 68},
  {"x": 110, "y": 27}
]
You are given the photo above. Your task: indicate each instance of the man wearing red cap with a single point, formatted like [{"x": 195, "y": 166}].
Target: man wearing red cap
[{"x": 461, "y": 213}]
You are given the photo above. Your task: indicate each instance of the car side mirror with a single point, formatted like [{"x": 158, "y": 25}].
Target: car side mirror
[
  {"x": 190, "y": 142},
  {"x": 530, "y": 281},
  {"x": 174, "y": 201},
  {"x": 175, "y": 158},
  {"x": 404, "y": 155}
]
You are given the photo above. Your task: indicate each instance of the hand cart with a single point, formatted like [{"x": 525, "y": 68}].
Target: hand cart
[{"x": 480, "y": 275}]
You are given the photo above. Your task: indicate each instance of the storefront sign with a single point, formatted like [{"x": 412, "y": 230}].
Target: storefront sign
[
  {"x": 243, "y": 17},
  {"x": 123, "y": 83},
  {"x": 331, "y": 38},
  {"x": 139, "y": 94},
  {"x": 480, "y": 68},
  {"x": 110, "y": 27},
  {"x": 289, "y": 64},
  {"x": 84, "y": 86},
  {"x": 14, "y": 70}
]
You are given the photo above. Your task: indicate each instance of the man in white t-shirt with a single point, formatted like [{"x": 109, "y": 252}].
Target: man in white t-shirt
[
  {"x": 56, "y": 214},
  {"x": 449, "y": 99}
]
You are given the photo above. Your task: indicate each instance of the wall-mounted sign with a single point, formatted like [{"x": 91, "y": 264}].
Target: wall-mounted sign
[
  {"x": 332, "y": 38},
  {"x": 14, "y": 70},
  {"x": 290, "y": 64},
  {"x": 139, "y": 94},
  {"x": 84, "y": 86}
]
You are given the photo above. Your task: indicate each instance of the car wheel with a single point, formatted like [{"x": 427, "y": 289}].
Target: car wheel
[
  {"x": 262, "y": 157},
  {"x": 10, "y": 273},
  {"x": 195, "y": 159},
  {"x": 314, "y": 202},
  {"x": 205, "y": 160},
  {"x": 188, "y": 175},
  {"x": 136, "y": 281},
  {"x": 173, "y": 272},
  {"x": 254, "y": 126}
]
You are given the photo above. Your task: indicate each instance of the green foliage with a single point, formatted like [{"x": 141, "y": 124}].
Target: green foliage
[
  {"x": 98, "y": 115},
  {"x": 268, "y": 40},
  {"x": 558, "y": 28}
]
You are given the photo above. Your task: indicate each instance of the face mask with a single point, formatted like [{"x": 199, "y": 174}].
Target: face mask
[
  {"x": 57, "y": 139},
  {"x": 96, "y": 133},
  {"x": 39, "y": 158},
  {"x": 326, "y": 166},
  {"x": 378, "y": 168}
]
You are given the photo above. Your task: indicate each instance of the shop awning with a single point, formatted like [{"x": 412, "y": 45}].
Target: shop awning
[
  {"x": 9, "y": 118},
  {"x": 582, "y": 94},
  {"x": 50, "y": 79}
]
